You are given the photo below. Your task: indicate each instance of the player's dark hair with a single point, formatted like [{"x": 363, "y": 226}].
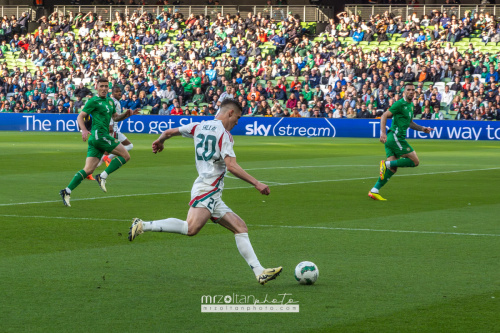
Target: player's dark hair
[
  {"x": 116, "y": 88},
  {"x": 231, "y": 103},
  {"x": 409, "y": 84},
  {"x": 102, "y": 80}
]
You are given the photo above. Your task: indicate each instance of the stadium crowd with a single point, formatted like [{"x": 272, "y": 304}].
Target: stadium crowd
[{"x": 174, "y": 65}]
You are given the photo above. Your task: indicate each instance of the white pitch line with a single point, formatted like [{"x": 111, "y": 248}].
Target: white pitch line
[
  {"x": 314, "y": 166},
  {"x": 95, "y": 198},
  {"x": 404, "y": 175},
  {"x": 62, "y": 217},
  {"x": 262, "y": 181},
  {"x": 276, "y": 226},
  {"x": 244, "y": 187},
  {"x": 376, "y": 230}
]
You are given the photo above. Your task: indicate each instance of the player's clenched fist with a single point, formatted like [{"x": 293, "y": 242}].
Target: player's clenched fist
[
  {"x": 263, "y": 188},
  {"x": 157, "y": 146}
]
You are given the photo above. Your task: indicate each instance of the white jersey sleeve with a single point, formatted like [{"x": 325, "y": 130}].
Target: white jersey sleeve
[
  {"x": 118, "y": 108},
  {"x": 188, "y": 130},
  {"x": 226, "y": 145}
]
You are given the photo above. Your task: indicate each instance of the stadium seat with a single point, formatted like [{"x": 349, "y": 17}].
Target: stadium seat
[
  {"x": 439, "y": 85},
  {"x": 147, "y": 109}
]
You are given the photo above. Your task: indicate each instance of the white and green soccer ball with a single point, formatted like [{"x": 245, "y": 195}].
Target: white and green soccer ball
[{"x": 306, "y": 272}]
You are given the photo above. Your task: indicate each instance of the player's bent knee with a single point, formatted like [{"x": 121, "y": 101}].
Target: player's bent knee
[
  {"x": 241, "y": 229},
  {"x": 88, "y": 171},
  {"x": 192, "y": 231},
  {"x": 126, "y": 156}
]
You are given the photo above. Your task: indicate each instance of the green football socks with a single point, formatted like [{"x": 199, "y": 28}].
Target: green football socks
[
  {"x": 402, "y": 163},
  {"x": 387, "y": 176},
  {"x": 115, "y": 164},
  {"x": 77, "y": 179}
]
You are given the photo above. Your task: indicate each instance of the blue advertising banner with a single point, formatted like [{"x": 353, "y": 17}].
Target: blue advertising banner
[{"x": 260, "y": 126}]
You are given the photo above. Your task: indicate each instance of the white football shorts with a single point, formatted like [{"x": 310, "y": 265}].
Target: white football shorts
[{"x": 211, "y": 199}]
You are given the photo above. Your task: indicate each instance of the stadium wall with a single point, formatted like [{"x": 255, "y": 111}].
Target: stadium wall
[{"x": 259, "y": 126}]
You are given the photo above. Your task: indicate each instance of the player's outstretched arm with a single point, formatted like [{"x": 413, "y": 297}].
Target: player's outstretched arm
[
  {"x": 129, "y": 113},
  {"x": 420, "y": 128},
  {"x": 238, "y": 171},
  {"x": 158, "y": 143},
  {"x": 383, "y": 124},
  {"x": 81, "y": 123}
]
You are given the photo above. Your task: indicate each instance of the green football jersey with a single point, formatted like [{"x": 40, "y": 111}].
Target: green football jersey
[
  {"x": 402, "y": 116},
  {"x": 196, "y": 82},
  {"x": 101, "y": 110}
]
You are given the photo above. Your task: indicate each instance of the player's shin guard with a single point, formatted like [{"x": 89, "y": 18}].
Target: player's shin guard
[
  {"x": 402, "y": 163},
  {"x": 77, "y": 179},
  {"x": 115, "y": 164},
  {"x": 246, "y": 250},
  {"x": 380, "y": 183}
]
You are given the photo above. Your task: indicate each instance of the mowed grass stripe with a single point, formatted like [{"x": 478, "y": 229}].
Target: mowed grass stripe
[
  {"x": 269, "y": 226},
  {"x": 243, "y": 187}
]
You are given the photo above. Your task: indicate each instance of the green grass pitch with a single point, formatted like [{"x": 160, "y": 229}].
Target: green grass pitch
[{"x": 427, "y": 260}]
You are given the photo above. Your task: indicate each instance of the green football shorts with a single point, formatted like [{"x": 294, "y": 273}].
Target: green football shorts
[
  {"x": 99, "y": 144},
  {"x": 395, "y": 146}
]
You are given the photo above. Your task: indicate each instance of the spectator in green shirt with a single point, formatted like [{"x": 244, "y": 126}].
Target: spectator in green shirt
[
  {"x": 199, "y": 97},
  {"x": 307, "y": 93},
  {"x": 195, "y": 80},
  {"x": 188, "y": 87}
]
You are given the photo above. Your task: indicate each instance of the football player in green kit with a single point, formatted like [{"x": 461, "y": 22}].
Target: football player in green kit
[
  {"x": 102, "y": 109},
  {"x": 399, "y": 153}
]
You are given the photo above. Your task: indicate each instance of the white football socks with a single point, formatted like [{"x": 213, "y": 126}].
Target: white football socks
[
  {"x": 168, "y": 225},
  {"x": 246, "y": 251},
  {"x": 374, "y": 190}
]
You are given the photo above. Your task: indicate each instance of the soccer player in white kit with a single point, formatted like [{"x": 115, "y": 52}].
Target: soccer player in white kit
[{"x": 214, "y": 156}]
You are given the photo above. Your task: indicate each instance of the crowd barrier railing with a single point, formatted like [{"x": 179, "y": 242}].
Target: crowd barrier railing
[
  {"x": 365, "y": 11},
  {"x": 305, "y": 13},
  {"x": 16, "y": 11}
]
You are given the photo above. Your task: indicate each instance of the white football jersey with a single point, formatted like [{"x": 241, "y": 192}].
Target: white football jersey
[
  {"x": 212, "y": 144},
  {"x": 118, "y": 107}
]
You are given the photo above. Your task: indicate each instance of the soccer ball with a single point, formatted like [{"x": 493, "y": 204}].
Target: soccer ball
[{"x": 306, "y": 272}]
